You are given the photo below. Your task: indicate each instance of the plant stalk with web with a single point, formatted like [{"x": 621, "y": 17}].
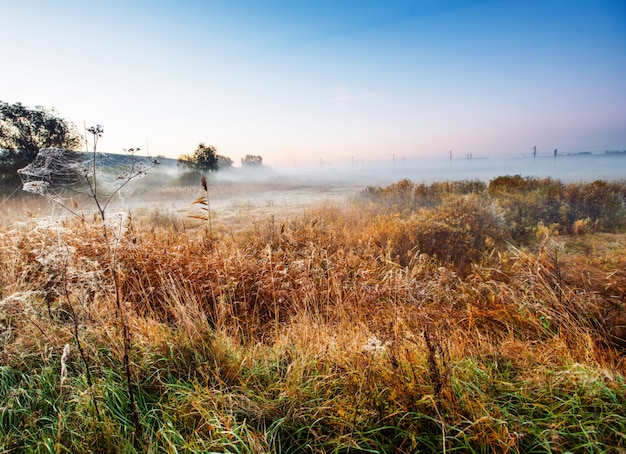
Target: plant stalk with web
[
  {"x": 111, "y": 247},
  {"x": 56, "y": 165}
]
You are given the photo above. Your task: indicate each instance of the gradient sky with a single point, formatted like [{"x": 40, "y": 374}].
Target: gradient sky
[{"x": 300, "y": 82}]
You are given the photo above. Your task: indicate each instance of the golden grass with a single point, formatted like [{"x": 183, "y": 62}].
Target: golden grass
[{"x": 345, "y": 327}]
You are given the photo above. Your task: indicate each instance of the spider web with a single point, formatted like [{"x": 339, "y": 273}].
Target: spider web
[
  {"x": 53, "y": 172},
  {"x": 62, "y": 175}
]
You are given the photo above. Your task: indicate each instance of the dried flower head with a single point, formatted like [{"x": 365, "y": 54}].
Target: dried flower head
[{"x": 64, "y": 357}]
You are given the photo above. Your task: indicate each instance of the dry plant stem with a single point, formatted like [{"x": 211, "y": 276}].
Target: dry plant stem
[
  {"x": 437, "y": 378},
  {"x": 433, "y": 370},
  {"x": 205, "y": 186},
  {"x": 208, "y": 206},
  {"x": 60, "y": 418},
  {"x": 112, "y": 251},
  {"x": 79, "y": 345},
  {"x": 132, "y": 174},
  {"x": 274, "y": 301},
  {"x": 123, "y": 319},
  {"x": 359, "y": 402},
  {"x": 66, "y": 352},
  {"x": 121, "y": 315}
]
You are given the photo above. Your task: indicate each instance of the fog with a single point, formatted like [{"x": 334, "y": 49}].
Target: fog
[
  {"x": 243, "y": 195},
  {"x": 567, "y": 168},
  {"x": 582, "y": 167}
]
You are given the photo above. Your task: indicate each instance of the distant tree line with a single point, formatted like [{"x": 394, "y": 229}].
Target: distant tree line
[
  {"x": 252, "y": 161},
  {"x": 206, "y": 159}
]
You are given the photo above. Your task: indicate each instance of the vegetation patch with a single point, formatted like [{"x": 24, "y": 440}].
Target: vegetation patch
[{"x": 457, "y": 316}]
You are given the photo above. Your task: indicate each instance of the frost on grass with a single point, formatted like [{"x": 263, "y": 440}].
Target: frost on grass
[
  {"x": 374, "y": 346},
  {"x": 14, "y": 307},
  {"x": 54, "y": 257},
  {"x": 49, "y": 225},
  {"x": 117, "y": 222}
]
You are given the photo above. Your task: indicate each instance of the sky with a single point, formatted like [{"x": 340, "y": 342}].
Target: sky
[{"x": 325, "y": 81}]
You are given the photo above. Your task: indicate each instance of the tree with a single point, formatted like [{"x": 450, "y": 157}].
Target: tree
[
  {"x": 23, "y": 131},
  {"x": 224, "y": 162},
  {"x": 205, "y": 158},
  {"x": 27, "y": 130},
  {"x": 252, "y": 161}
]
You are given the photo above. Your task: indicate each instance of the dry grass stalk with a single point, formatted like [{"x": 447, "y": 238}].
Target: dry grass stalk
[{"x": 64, "y": 357}]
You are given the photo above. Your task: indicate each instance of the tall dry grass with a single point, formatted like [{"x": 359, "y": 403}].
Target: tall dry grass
[{"x": 417, "y": 318}]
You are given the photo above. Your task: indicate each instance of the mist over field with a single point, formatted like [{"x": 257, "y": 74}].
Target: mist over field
[
  {"x": 250, "y": 193},
  {"x": 288, "y": 189},
  {"x": 567, "y": 168}
]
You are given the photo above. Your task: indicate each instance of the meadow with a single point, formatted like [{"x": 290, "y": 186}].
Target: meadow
[{"x": 454, "y": 316}]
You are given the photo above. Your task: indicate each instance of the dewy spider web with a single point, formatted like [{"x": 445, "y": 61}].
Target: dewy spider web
[
  {"x": 54, "y": 172},
  {"x": 62, "y": 175}
]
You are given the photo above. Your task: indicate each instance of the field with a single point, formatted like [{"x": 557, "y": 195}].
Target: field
[{"x": 456, "y": 316}]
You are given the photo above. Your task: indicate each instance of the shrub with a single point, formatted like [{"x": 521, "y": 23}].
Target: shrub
[
  {"x": 529, "y": 201},
  {"x": 457, "y": 232}
]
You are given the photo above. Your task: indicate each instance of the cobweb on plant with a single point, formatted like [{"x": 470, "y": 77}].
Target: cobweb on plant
[{"x": 65, "y": 177}]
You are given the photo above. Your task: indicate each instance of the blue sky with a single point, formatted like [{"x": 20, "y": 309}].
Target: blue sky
[{"x": 308, "y": 81}]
